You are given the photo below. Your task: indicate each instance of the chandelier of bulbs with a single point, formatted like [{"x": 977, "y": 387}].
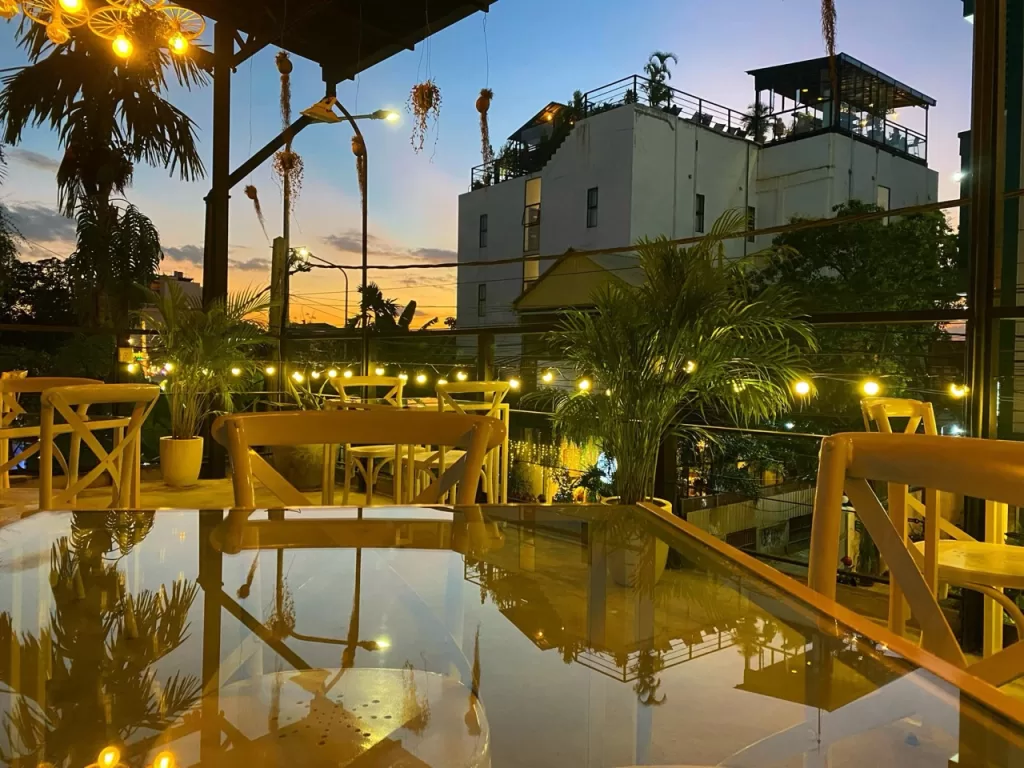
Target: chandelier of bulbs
[{"x": 110, "y": 21}]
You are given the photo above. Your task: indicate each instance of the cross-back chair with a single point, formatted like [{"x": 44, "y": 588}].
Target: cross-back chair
[{"x": 400, "y": 429}]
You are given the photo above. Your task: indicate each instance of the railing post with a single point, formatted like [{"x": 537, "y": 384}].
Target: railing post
[{"x": 484, "y": 356}]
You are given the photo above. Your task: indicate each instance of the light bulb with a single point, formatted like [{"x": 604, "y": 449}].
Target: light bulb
[
  {"x": 122, "y": 46},
  {"x": 347, "y": 374},
  {"x": 513, "y": 383},
  {"x": 421, "y": 378},
  {"x": 109, "y": 757},
  {"x": 392, "y": 116},
  {"x": 584, "y": 385},
  {"x": 958, "y": 390},
  {"x": 297, "y": 377},
  {"x": 57, "y": 33},
  {"x": 690, "y": 367},
  {"x": 383, "y": 643},
  {"x": 270, "y": 370},
  {"x": 314, "y": 375},
  {"x": 802, "y": 387},
  {"x": 870, "y": 388},
  {"x": 378, "y": 371},
  {"x": 403, "y": 376},
  {"x": 236, "y": 371},
  {"x": 333, "y": 373},
  {"x": 168, "y": 367},
  {"x": 607, "y": 393},
  {"x": 178, "y": 43},
  {"x": 132, "y": 367},
  {"x": 440, "y": 382},
  {"x": 548, "y": 377},
  {"x": 461, "y": 375},
  {"x": 164, "y": 760},
  {"x": 71, "y": 6}
]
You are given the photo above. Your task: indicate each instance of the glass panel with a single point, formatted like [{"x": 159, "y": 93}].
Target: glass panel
[{"x": 540, "y": 636}]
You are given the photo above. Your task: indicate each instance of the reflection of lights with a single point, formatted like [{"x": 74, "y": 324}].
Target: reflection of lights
[
  {"x": 168, "y": 367},
  {"x": 958, "y": 390},
  {"x": 789, "y": 425},
  {"x": 513, "y": 383},
  {"x": 871, "y": 388},
  {"x": 959, "y": 176},
  {"x": 548, "y": 377},
  {"x": 956, "y": 429},
  {"x": 164, "y": 760},
  {"x": 802, "y": 387}
]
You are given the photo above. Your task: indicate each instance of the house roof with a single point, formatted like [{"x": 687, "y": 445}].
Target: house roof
[
  {"x": 861, "y": 86},
  {"x": 543, "y": 117},
  {"x": 571, "y": 281},
  {"x": 343, "y": 36}
]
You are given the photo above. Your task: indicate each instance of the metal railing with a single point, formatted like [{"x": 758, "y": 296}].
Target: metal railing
[{"x": 880, "y": 130}]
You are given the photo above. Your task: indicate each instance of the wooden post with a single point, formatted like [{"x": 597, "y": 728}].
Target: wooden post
[{"x": 484, "y": 356}]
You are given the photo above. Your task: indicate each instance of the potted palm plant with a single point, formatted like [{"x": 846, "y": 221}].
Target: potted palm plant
[
  {"x": 204, "y": 352},
  {"x": 690, "y": 343}
]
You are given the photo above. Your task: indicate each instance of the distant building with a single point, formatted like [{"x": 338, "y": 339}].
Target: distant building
[
  {"x": 634, "y": 161},
  {"x": 186, "y": 285}
]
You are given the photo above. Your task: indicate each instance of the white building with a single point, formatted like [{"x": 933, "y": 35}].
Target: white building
[{"x": 628, "y": 169}]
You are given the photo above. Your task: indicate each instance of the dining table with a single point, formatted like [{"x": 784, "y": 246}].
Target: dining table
[{"x": 505, "y": 635}]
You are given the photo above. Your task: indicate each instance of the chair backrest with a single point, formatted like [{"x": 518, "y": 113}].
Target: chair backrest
[
  {"x": 493, "y": 392},
  {"x": 121, "y": 462},
  {"x": 983, "y": 469},
  {"x": 11, "y": 387},
  {"x": 379, "y": 426},
  {"x": 879, "y": 410},
  {"x": 344, "y": 387}
]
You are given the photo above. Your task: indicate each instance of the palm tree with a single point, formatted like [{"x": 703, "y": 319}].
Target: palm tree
[
  {"x": 756, "y": 120},
  {"x": 110, "y": 113},
  {"x": 828, "y": 31},
  {"x": 692, "y": 342},
  {"x": 658, "y": 93}
]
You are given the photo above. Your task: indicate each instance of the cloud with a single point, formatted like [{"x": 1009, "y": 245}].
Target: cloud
[
  {"x": 32, "y": 159},
  {"x": 435, "y": 254},
  {"x": 350, "y": 241},
  {"x": 37, "y": 222},
  {"x": 193, "y": 254},
  {"x": 251, "y": 265}
]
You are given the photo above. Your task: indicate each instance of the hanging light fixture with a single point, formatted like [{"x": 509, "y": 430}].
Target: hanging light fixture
[
  {"x": 71, "y": 6},
  {"x": 57, "y": 17},
  {"x": 8, "y": 9}
]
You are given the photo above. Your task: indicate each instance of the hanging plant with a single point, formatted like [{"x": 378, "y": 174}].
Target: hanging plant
[
  {"x": 483, "y": 104},
  {"x": 288, "y": 167},
  {"x": 425, "y": 104},
  {"x": 359, "y": 150},
  {"x": 252, "y": 194},
  {"x": 284, "y": 66}
]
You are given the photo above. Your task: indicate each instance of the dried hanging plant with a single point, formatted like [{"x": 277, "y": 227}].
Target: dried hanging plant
[
  {"x": 483, "y": 104},
  {"x": 359, "y": 150},
  {"x": 284, "y": 66},
  {"x": 828, "y": 31},
  {"x": 288, "y": 167},
  {"x": 424, "y": 102},
  {"x": 252, "y": 194}
]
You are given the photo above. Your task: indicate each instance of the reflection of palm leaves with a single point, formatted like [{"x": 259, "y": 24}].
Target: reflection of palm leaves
[
  {"x": 281, "y": 621},
  {"x": 646, "y": 668},
  {"x": 748, "y": 637},
  {"x": 415, "y": 710},
  {"x": 84, "y": 681}
]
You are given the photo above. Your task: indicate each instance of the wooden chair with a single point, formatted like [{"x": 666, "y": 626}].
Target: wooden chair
[
  {"x": 476, "y": 435},
  {"x": 983, "y": 469},
  {"x": 14, "y": 384},
  {"x": 363, "y": 457},
  {"x": 122, "y": 462},
  {"x": 948, "y": 555}
]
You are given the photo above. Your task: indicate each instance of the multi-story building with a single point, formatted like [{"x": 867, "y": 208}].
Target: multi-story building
[{"x": 637, "y": 159}]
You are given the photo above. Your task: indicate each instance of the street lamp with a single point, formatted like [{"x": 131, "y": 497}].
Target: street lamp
[
  {"x": 323, "y": 112},
  {"x": 305, "y": 254}
]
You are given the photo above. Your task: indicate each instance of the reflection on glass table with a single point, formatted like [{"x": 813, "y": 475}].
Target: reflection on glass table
[{"x": 504, "y": 636}]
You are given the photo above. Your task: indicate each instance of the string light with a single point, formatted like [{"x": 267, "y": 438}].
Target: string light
[
  {"x": 870, "y": 387},
  {"x": 236, "y": 371},
  {"x": 421, "y": 378},
  {"x": 122, "y": 46},
  {"x": 548, "y": 377},
  {"x": 270, "y": 370},
  {"x": 802, "y": 387},
  {"x": 958, "y": 390},
  {"x": 461, "y": 375},
  {"x": 607, "y": 393},
  {"x": 403, "y": 377},
  {"x": 347, "y": 374},
  {"x": 513, "y": 383},
  {"x": 168, "y": 367},
  {"x": 332, "y": 373},
  {"x": 297, "y": 377},
  {"x": 71, "y": 6},
  {"x": 378, "y": 371},
  {"x": 132, "y": 367},
  {"x": 314, "y": 375},
  {"x": 109, "y": 757},
  {"x": 164, "y": 760},
  {"x": 690, "y": 366},
  {"x": 440, "y": 382},
  {"x": 584, "y": 385}
]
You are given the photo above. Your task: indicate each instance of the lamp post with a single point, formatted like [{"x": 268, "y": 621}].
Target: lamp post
[
  {"x": 305, "y": 253},
  {"x": 323, "y": 111}
]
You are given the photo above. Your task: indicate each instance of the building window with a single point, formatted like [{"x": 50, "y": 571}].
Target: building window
[
  {"x": 592, "y": 207},
  {"x": 883, "y": 194},
  {"x": 751, "y": 222},
  {"x": 531, "y": 217},
  {"x": 698, "y": 214},
  {"x": 483, "y": 230},
  {"x": 481, "y": 300}
]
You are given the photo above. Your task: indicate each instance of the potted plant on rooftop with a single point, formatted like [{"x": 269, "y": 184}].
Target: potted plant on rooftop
[
  {"x": 204, "y": 352},
  {"x": 692, "y": 343}
]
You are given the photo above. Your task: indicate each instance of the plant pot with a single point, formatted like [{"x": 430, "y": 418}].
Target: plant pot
[
  {"x": 625, "y": 562},
  {"x": 300, "y": 465},
  {"x": 180, "y": 460}
]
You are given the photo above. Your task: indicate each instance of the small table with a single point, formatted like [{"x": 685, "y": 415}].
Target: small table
[{"x": 410, "y": 636}]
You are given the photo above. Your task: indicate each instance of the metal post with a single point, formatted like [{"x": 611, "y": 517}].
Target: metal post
[{"x": 484, "y": 356}]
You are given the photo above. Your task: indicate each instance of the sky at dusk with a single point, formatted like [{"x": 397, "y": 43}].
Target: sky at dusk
[{"x": 536, "y": 51}]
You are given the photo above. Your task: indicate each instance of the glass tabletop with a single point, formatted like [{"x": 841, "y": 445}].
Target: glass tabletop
[{"x": 494, "y": 636}]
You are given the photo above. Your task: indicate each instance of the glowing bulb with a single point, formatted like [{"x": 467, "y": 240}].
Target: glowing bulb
[
  {"x": 297, "y": 377},
  {"x": 378, "y": 371},
  {"x": 421, "y": 378},
  {"x": 383, "y": 643},
  {"x": 392, "y": 116},
  {"x": 957, "y": 390},
  {"x": 333, "y": 373},
  {"x": 584, "y": 385},
  {"x": 270, "y": 370},
  {"x": 347, "y": 374},
  {"x": 441, "y": 382},
  {"x": 132, "y": 367},
  {"x": 802, "y": 387},
  {"x": 607, "y": 393},
  {"x": 164, "y": 760},
  {"x": 178, "y": 43},
  {"x": 314, "y": 375},
  {"x": 461, "y": 375},
  {"x": 168, "y": 367},
  {"x": 789, "y": 425},
  {"x": 122, "y": 46},
  {"x": 548, "y": 377},
  {"x": 109, "y": 757},
  {"x": 236, "y": 371},
  {"x": 205, "y": 371},
  {"x": 513, "y": 383},
  {"x": 690, "y": 366},
  {"x": 57, "y": 33},
  {"x": 71, "y": 6},
  {"x": 302, "y": 252},
  {"x": 870, "y": 388},
  {"x": 403, "y": 377}
]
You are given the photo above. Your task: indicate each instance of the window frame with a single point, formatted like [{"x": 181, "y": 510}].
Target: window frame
[
  {"x": 751, "y": 223},
  {"x": 482, "y": 232},
  {"x": 699, "y": 209},
  {"x": 593, "y": 200}
]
